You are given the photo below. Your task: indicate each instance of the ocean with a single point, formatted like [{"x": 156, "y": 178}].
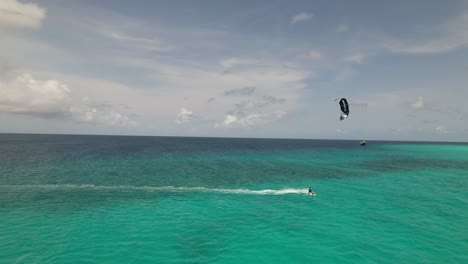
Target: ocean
[{"x": 118, "y": 199}]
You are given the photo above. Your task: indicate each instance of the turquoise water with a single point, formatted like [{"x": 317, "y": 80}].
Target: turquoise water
[{"x": 91, "y": 199}]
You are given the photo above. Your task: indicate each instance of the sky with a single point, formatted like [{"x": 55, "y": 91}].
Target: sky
[{"x": 269, "y": 69}]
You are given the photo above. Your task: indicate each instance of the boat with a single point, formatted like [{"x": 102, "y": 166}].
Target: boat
[{"x": 363, "y": 143}]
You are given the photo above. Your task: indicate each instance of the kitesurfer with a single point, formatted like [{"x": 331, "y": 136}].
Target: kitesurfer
[
  {"x": 344, "y": 108},
  {"x": 310, "y": 191}
]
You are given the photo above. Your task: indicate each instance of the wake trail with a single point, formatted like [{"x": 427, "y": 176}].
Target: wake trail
[{"x": 155, "y": 189}]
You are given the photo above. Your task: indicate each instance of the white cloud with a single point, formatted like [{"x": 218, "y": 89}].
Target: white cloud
[
  {"x": 18, "y": 14},
  {"x": 248, "y": 90},
  {"x": 250, "y": 120},
  {"x": 184, "y": 116},
  {"x": 87, "y": 114},
  {"x": 228, "y": 121},
  {"x": 302, "y": 17},
  {"x": 450, "y": 35},
  {"x": 277, "y": 89},
  {"x": 274, "y": 79},
  {"x": 230, "y": 63},
  {"x": 342, "y": 28},
  {"x": 345, "y": 74},
  {"x": 314, "y": 55},
  {"x": 52, "y": 99},
  {"x": 24, "y": 94},
  {"x": 419, "y": 104},
  {"x": 442, "y": 130},
  {"x": 356, "y": 58},
  {"x": 150, "y": 44},
  {"x": 254, "y": 112}
]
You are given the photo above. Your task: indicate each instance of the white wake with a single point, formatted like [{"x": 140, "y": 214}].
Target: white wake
[{"x": 157, "y": 189}]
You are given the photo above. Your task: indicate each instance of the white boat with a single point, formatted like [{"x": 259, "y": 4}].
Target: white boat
[{"x": 363, "y": 143}]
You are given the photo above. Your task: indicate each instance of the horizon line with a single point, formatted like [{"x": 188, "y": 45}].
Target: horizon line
[{"x": 221, "y": 137}]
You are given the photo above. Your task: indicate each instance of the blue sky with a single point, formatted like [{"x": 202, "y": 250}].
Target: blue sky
[{"x": 235, "y": 68}]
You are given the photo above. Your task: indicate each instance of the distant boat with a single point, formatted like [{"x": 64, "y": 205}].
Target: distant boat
[{"x": 363, "y": 143}]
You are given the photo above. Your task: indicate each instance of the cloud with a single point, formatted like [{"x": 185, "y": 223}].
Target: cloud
[
  {"x": 345, "y": 74},
  {"x": 274, "y": 78},
  {"x": 356, "y": 58},
  {"x": 83, "y": 113},
  {"x": 53, "y": 100},
  {"x": 342, "y": 28},
  {"x": 247, "y": 106},
  {"x": 250, "y": 120},
  {"x": 301, "y": 17},
  {"x": 249, "y": 113},
  {"x": 248, "y": 90},
  {"x": 20, "y": 15},
  {"x": 269, "y": 100},
  {"x": 452, "y": 34},
  {"x": 184, "y": 116},
  {"x": 149, "y": 44},
  {"x": 6, "y": 69},
  {"x": 230, "y": 63},
  {"x": 314, "y": 55},
  {"x": 277, "y": 89},
  {"x": 419, "y": 104},
  {"x": 442, "y": 130},
  {"x": 24, "y": 94}
]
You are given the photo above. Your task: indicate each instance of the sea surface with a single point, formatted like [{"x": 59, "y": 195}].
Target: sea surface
[{"x": 117, "y": 199}]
